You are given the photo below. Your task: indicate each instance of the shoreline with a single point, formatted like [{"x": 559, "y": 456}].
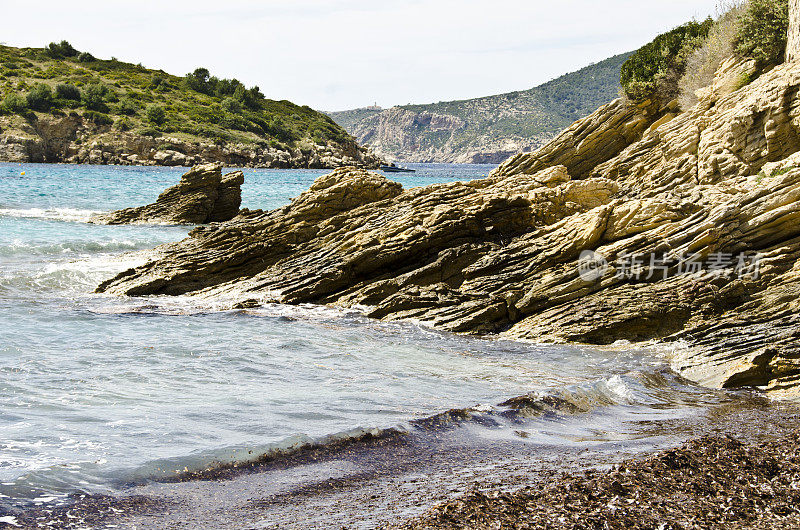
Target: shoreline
[
  {"x": 709, "y": 482},
  {"x": 407, "y": 480}
]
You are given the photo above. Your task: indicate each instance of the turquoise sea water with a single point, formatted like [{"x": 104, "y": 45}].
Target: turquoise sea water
[{"x": 97, "y": 391}]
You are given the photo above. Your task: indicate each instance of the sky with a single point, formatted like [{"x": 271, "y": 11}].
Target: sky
[{"x": 342, "y": 54}]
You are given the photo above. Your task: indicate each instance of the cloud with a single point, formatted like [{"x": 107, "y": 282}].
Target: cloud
[{"x": 347, "y": 53}]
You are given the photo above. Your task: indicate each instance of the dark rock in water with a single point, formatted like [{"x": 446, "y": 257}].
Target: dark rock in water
[{"x": 203, "y": 195}]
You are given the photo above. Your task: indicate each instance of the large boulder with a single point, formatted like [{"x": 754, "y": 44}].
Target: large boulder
[{"x": 202, "y": 196}]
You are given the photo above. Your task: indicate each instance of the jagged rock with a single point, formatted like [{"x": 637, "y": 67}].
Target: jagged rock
[
  {"x": 504, "y": 254},
  {"x": 590, "y": 141},
  {"x": 203, "y": 195}
]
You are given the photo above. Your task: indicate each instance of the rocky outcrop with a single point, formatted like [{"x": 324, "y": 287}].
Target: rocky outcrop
[
  {"x": 202, "y": 196},
  {"x": 636, "y": 223},
  {"x": 75, "y": 140}
]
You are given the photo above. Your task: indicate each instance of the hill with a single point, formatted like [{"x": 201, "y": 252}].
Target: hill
[
  {"x": 61, "y": 105},
  {"x": 487, "y": 129}
]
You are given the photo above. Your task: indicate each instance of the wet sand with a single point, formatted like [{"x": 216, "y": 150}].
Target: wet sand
[{"x": 462, "y": 476}]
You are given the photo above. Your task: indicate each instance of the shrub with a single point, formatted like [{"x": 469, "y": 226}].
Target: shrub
[
  {"x": 68, "y": 91},
  {"x": 156, "y": 114},
  {"x": 86, "y": 57},
  {"x": 60, "y": 50},
  {"x": 97, "y": 118},
  {"x": 704, "y": 62},
  {"x": 226, "y": 87},
  {"x": 654, "y": 69},
  {"x": 127, "y": 106},
  {"x": 149, "y": 131},
  {"x": 198, "y": 80},
  {"x": 123, "y": 124},
  {"x": 202, "y": 81},
  {"x": 94, "y": 97},
  {"x": 763, "y": 30},
  {"x": 40, "y": 97},
  {"x": 14, "y": 102},
  {"x": 232, "y": 105},
  {"x": 158, "y": 82}
]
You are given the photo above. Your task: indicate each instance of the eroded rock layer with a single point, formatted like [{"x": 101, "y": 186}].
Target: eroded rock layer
[
  {"x": 203, "y": 195},
  {"x": 650, "y": 191}
]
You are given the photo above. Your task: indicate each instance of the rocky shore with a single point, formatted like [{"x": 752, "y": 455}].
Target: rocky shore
[
  {"x": 688, "y": 220},
  {"x": 74, "y": 139},
  {"x": 711, "y": 483}
]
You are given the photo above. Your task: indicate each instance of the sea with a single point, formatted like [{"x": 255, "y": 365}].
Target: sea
[{"x": 99, "y": 393}]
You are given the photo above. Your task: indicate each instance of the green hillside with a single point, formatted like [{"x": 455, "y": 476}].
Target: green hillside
[{"x": 61, "y": 81}]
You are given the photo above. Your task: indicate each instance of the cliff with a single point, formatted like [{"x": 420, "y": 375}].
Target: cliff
[
  {"x": 59, "y": 105},
  {"x": 488, "y": 129}
]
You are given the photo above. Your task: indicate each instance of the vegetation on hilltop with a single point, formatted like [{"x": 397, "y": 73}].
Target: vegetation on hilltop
[
  {"x": 59, "y": 79},
  {"x": 679, "y": 61},
  {"x": 556, "y": 103},
  {"x": 763, "y": 31},
  {"x": 703, "y": 63},
  {"x": 654, "y": 69}
]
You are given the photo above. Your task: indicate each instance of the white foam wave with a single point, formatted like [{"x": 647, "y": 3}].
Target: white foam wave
[
  {"x": 617, "y": 386},
  {"x": 18, "y": 247},
  {"x": 71, "y": 276},
  {"x": 56, "y": 214}
]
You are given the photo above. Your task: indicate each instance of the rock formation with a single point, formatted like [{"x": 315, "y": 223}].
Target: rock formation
[
  {"x": 691, "y": 221},
  {"x": 203, "y": 195}
]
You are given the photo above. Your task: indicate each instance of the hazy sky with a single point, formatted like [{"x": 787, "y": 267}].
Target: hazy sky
[{"x": 339, "y": 54}]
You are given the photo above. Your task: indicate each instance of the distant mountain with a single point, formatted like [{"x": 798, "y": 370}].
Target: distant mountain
[{"x": 487, "y": 129}]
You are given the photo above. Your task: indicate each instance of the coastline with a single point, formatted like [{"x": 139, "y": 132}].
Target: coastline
[{"x": 75, "y": 140}]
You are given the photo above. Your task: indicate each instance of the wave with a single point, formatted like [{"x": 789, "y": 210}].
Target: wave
[
  {"x": 635, "y": 393},
  {"x": 609, "y": 409},
  {"x": 19, "y": 247},
  {"x": 69, "y": 276},
  {"x": 74, "y": 215}
]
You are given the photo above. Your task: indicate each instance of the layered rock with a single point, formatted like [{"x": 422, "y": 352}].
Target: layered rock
[
  {"x": 202, "y": 196},
  {"x": 506, "y": 254}
]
